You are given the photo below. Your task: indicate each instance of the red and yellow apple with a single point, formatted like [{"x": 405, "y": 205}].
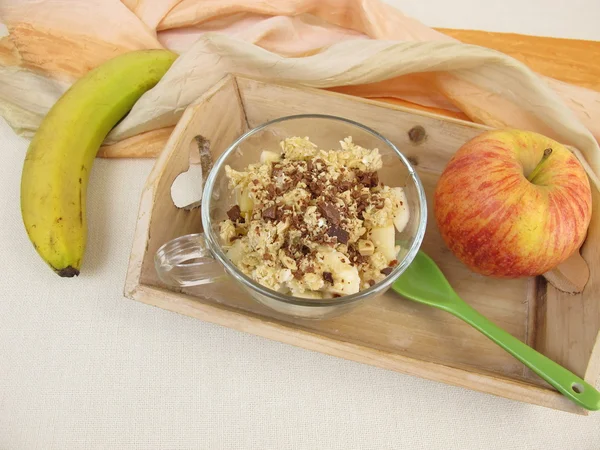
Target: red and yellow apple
[{"x": 513, "y": 203}]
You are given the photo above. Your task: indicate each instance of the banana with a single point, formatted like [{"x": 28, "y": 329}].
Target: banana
[
  {"x": 401, "y": 218},
  {"x": 267, "y": 156},
  {"x": 59, "y": 159},
  {"x": 346, "y": 279},
  {"x": 235, "y": 252},
  {"x": 244, "y": 200},
  {"x": 384, "y": 239}
]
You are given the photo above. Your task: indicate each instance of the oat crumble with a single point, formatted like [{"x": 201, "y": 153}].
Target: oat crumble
[{"x": 314, "y": 223}]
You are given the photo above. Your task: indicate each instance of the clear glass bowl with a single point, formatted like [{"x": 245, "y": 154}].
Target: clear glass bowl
[{"x": 198, "y": 259}]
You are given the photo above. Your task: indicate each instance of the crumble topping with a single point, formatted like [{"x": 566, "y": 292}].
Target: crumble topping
[{"x": 314, "y": 223}]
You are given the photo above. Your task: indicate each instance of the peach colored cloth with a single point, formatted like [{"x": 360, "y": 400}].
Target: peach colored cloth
[{"x": 53, "y": 42}]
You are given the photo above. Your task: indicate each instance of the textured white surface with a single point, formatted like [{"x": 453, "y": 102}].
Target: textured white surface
[{"x": 83, "y": 368}]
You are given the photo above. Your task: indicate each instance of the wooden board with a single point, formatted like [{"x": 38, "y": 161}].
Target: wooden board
[
  {"x": 573, "y": 61},
  {"x": 388, "y": 332}
]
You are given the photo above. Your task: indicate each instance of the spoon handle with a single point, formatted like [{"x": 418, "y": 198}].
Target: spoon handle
[{"x": 566, "y": 382}]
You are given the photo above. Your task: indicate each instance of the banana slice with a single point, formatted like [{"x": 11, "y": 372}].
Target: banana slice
[
  {"x": 403, "y": 215},
  {"x": 234, "y": 253},
  {"x": 244, "y": 201},
  {"x": 267, "y": 156},
  {"x": 346, "y": 280},
  {"x": 384, "y": 239},
  {"x": 308, "y": 294}
]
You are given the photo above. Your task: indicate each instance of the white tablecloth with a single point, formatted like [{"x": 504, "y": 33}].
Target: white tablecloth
[{"x": 83, "y": 368}]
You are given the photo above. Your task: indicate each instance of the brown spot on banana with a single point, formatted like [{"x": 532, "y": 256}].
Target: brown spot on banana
[{"x": 68, "y": 272}]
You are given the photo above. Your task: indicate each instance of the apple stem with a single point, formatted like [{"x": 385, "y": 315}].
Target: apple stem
[{"x": 537, "y": 169}]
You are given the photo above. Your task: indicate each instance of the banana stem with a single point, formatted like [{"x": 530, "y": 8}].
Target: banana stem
[{"x": 537, "y": 169}]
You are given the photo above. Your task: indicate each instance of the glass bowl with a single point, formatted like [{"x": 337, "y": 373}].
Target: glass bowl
[{"x": 198, "y": 259}]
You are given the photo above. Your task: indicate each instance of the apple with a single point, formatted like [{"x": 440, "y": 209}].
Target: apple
[{"x": 513, "y": 203}]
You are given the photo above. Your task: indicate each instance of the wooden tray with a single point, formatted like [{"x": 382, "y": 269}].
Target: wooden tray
[{"x": 389, "y": 332}]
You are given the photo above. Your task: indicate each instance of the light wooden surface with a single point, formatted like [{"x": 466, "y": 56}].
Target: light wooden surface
[
  {"x": 571, "y": 276},
  {"x": 389, "y": 332},
  {"x": 570, "y": 60}
]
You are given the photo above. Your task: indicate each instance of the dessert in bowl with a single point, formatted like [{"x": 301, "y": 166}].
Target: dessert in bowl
[{"x": 311, "y": 214}]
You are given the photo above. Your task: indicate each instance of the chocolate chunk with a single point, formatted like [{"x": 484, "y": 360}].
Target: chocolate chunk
[
  {"x": 341, "y": 234},
  {"x": 305, "y": 250},
  {"x": 270, "y": 213},
  {"x": 368, "y": 179},
  {"x": 356, "y": 257},
  {"x": 296, "y": 221},
  {"x": 386, "y": 271},
  {"x": 298, "y": 274},
  {"x": 296, "y": 178},
  {"x": 371, "y": 282},
  {"x": 327, "y": 276},
  {"x": 319, "y": 238},
  {"x": 234, "y": 213},
  {"x": 330, "y": 212},
  {"x": 345, "y": 186},
  {"x": 316, "y": 188},
  {"x": 362, "y": 177},
  {"x": 374, "y": 179}
]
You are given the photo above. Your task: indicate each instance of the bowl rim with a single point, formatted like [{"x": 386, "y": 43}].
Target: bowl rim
[{"x": 245, "y": 280}]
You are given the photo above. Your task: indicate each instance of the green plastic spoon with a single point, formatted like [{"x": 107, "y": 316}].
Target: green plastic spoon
[{"x": 424, "y": 282}]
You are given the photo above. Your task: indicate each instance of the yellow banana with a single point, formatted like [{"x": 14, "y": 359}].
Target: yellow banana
[{"x": 58, "y": 162}]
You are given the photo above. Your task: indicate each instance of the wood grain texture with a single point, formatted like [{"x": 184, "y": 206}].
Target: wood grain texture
[
  {"x": 571, "y": 323},
  {"x": 280, "y": 331},
  {"x": 388, "y": 331},
  {"x": 570, "y": 276},
  {"x": 571, "y": 60},
  {"x": 144, "y": 145}
]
